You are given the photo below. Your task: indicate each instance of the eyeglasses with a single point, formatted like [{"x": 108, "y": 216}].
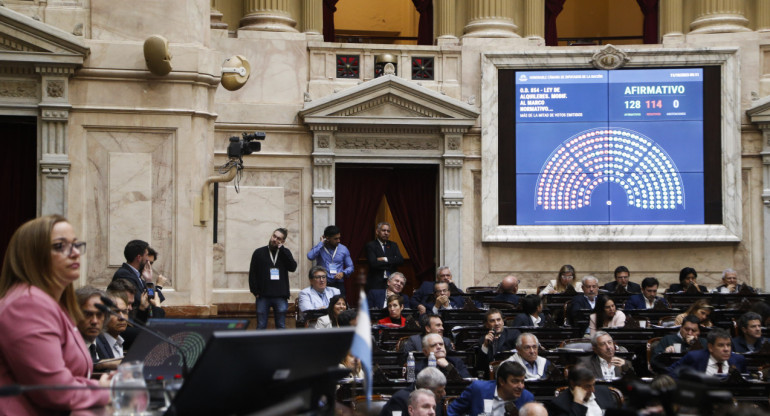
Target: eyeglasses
[
  {"x": 319, "y": 276},
  {"x": 65, "y": 247}
]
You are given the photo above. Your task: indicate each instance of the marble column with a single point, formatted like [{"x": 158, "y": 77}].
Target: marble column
[
  {"x": 447, "y": 16},
  {"x": 671, "y": 18},
  {"x": 323, "y": 178},
  {"x": 490, "y": 19},
  {"x": 763, "y": 15},
  {"x": 216, "y": 17},
  {"x": 452, "y": 197},
  {"x": 53, "y": 120},
  {"x": 267, "y": 15},
  {"x": 719, "y": 16},
  {"x": 312, "y": 17},
  {"x": 534, "y": 19}
]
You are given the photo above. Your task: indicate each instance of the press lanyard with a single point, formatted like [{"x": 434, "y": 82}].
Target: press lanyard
[
  {"x": 271, "y": 256},
  {"x": 332, "y": 254}
]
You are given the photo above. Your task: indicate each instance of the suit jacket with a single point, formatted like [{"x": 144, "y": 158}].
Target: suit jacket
[
  {"x": 505, "y": 342},
  {"x": 592, "y": 363},
  {"x": 507, "y": 297},
  {"x": 126, "y": 272},
  {"x": 631, "y": 288},
  {"x": 375, "y": 279},
  {"x": 103, "y": 348},
  {"x": 525, "y": 320},
  {"x": 414, "y": 343},
  {"x": 738, "y": 288},
  {"x": 457, "y": 363},
  {"x": 564, "y": 405},
  {"x": 471, "y": 401},
  {"x": 698, "y": 360},
  {"x": 670, "y": 340},
  {"x": 424, "y": 294},
  {"x": 579, "y": 303},
  {"x": 638, "y": 302},
  {"x": 377, "y": 299},
  {"x": 741, "y": 346},
  {"x": 41, "y": 345},
  {"x": 676, "y": 287},
  {"x": 400, "y": 402}
]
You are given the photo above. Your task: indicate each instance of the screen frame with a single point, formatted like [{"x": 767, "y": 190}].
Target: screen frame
[{"x": 725, "y": 226}]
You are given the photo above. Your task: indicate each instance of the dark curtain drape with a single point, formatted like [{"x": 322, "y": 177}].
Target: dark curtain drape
[
  {"x": 412, "y": 198},
  {"x": 650, "y": 26},
  {"x": 425, "y": 29},
  {"x": 329, "y": 9},
  {"x": 552, "y": 10},
  {"x": 18, "y": 168}
]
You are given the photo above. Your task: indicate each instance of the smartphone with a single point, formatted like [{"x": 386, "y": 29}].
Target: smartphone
[{"x": 150, "y": 290}]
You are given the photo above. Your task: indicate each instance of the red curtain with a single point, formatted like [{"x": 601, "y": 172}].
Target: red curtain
[
  {"x": 552, "y": 10},
  {"x": 425, "y": 29},
  {"x": 412, "y": 198},
  {"x": 650, "y": 11},
  {"x": 329, "y": 9}
]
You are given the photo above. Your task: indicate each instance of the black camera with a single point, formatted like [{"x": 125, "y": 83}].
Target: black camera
[{"x": 247, "y": 145}]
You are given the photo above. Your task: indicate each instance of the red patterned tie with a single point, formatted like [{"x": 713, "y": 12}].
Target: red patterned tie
[{"x": 719, "y": 367}]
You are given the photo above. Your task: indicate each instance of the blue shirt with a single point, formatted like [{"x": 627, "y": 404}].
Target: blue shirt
[{"x": 322, "y": 256}]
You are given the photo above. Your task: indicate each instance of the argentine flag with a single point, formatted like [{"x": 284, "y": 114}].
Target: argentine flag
[{"x": 362, "y": 344}]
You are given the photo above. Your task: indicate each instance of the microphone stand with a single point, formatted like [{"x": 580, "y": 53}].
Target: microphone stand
[{"x": 106, "y": 306}]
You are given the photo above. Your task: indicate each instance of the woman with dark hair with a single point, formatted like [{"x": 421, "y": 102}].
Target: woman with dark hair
[
  {"x": 687, "y": 277},
  {"x": 532, "y": 313},
  {"x": 565, "y": 278},
  {"x": 700, "y": 309},
  {"x": 40, "y": 344},
  {"x": 605, "y": 315},
  {"x": 395, "y": 307},
  {"x": 337, "y": 305}
]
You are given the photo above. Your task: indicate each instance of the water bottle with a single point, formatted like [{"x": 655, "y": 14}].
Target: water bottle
[
  {"x": 410, "y": 367},
  {"x": 432, "y": 360}
]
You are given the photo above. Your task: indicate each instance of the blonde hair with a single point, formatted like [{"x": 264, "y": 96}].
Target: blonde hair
[{"x": 28, "y": 261}]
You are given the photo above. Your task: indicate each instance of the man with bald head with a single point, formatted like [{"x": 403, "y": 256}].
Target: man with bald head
[
  {"x": 533, "y": 409},
  {"x": 506, "y": 291}
]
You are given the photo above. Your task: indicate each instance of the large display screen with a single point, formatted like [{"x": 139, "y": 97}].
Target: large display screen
[{"x": 608, "y": 147}]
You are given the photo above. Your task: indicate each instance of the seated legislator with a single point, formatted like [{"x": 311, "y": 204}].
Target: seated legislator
[
  {"x": 395, "y": 307},
  {"x": 701, "y": 309},
  {"x": 506, "y": 291},
  {"x": 605, "y": 315},
  {"x": 648, "y": 297},
  {"x": 566, "y": 277},
  {"x": 337, "y": 305},
  {"x": 586, "y": 301},
  {"x": 422, "y": 402},
  {"x": 687, "y": 338},
  {"x": 40, "y": 344},
  {"x": 443, "y": 299},
  {"x": 532, "y": 313},
  {"x": 621, "y": 281},
  {"x": 506, "y": 390},
  {"x": 429, "y": 378},
  {"x": 93, "y": 320},
  {"x": 430, "y": 324},
  {"x": 423, "y": 296},
  {"x": 498, "y": 339},
  {"x": 110, "y": 339},
  {"x": 603, "y": 363},
  {"x": 750, "y": 338},
  {"x": 452, "y": 367},
  {"x": 378, "y": 297},
  {"x": 687, "y": 278},
  {"x": 527, "y": 349},
  {"x": 583, "y": 397},
  {"x": 317, "y": 295},
  {"x": 715, "y": 360},
  {"x": 730, "y": 283}
]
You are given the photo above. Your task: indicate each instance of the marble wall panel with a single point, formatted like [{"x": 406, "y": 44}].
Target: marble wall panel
[
  {"x": 114, "y": 154},
  {"x": 179, "y": 22},
  {"x": 130, "y": 204},
  {"x": 251, "y": 215}
]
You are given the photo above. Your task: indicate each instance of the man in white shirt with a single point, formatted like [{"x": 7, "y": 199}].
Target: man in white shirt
[
  {"x": 526, "y": 354},
  {"x": 317, "y": 295},
  {"x": 116, "y": 325}
]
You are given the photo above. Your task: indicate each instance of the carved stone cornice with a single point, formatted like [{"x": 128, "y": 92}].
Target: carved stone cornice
[
  {"x": 19, "y": 89},
  {"x": 52, "y": 69},
  {"x": 323, "y": 161},
  {"x": 453, "y": 163},
  {"x": 322, "y": 201},
  {"x": 55, "y": 165},
  {"x": 55, "y": 114},
  {"x": 323, "y": 127},
  {"x": 401, "y": 130},
  {"x": 383, "y": 143},
  {"x": 412, "y": 106},
  {"x": 453, "y": 201},
  {"x": 11, "y": 44}
]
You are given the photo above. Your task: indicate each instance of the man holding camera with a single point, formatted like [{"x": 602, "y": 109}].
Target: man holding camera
[{"x": 269, "y": 278}]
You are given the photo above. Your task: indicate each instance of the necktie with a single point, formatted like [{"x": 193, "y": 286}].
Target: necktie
[
  {"x": 719, "y": 368},
  {"x": 92, "y": 350}
]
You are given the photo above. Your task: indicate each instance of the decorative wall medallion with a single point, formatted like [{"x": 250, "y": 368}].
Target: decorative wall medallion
[
  {"x": 454, "y": 143},
  {"x": 609, "y": 57},
  {"x": 323, "y": 142},
  {"x": 55, "y": 89}
]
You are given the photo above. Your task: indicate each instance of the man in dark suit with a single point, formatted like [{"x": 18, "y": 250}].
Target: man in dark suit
[
  {"x": 688, "y": 337},
  {"x": 378, "y": 297},
  {"x": 716, "y": 360},
  {"x": 751, "y": 339},
  {"x": 730, "y": 283},
  {"x": 532, "y": 313},
  {"x": 498, "y": 339},
  {"x": 583, "y": 394},
  {"x": 429, "y": 378},
  {"x": 603, "y": 363},
  {"x": 424, "y": 294},
  {"x": 648, "y": 297},
  {"x": 585, "y": 301},
  {"x": 621, "y": 280},
  {"x": 509, "y": 386},
  {"x": 507, "y": 290},
  {"x": 383, "y": 256},
  {"x": 137, "y": 255},
  {"x": 452, "y": 367},
  {"x": 431, "y": 324},
  {"x": 90, "y": 327},
  {"x": 687, "y": 278},
  {"x": 443, "y": 299}
]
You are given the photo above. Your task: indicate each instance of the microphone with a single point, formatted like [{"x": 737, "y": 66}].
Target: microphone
[{"x": 106, "y": 307}]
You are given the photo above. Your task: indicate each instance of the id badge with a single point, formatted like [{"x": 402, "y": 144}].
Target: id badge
[
  {"x": 332, "y": 272},
  {"x": 274, "y": 274}
]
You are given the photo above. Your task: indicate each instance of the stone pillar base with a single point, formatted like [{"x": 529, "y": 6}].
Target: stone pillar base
[
  {"x": 723, "y": 23},
  {"x": 488, "y": 28},
  {"x": 269, "y": 22}
]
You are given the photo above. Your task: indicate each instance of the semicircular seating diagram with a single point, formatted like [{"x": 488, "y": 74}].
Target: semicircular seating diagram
[{"x": 581, "y": 163}]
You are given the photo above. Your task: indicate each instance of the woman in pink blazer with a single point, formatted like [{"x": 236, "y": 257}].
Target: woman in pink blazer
[{"x": 40, "y": 344}]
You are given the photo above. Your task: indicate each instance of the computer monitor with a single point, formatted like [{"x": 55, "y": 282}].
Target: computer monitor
[{"x": 244, "y": 372}]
